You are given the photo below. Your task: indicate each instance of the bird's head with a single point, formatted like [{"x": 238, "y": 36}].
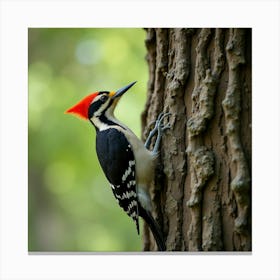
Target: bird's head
[{"x": 98, "y": 103}]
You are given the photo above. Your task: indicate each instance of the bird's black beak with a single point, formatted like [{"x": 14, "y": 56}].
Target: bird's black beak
[{"x": 122, "y": 90}]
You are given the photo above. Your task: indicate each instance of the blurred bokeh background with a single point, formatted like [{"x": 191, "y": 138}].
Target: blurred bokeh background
[{"x": 71, "y": 206}]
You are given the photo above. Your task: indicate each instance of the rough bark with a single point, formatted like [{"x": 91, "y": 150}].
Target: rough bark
[{"x": 202, "y": 190}]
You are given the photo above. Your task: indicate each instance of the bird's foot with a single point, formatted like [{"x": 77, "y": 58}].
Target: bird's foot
[{"x": 159, "y": 128}]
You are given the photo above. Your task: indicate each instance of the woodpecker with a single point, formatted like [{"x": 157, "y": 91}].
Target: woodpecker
[{"x": 126, "y": 161}]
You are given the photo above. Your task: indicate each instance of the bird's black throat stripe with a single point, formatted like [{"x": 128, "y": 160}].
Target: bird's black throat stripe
[{"x": 95, "y": 107}]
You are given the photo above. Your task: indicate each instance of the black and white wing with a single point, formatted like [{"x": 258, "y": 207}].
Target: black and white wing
[{"x": 118, "y": 163}]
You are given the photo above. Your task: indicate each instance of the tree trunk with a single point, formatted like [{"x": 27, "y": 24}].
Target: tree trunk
[{"x": 202, "y": 189}]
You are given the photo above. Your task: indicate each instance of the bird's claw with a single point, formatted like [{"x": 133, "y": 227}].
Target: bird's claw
[
  {"x": 160, "y": 119},
  {"x": 158, "y": 128}
]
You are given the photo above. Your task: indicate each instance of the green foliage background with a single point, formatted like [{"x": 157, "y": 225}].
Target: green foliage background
[{"x": 71, "y": 206}]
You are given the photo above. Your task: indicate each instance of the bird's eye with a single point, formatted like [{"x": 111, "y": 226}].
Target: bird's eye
[{"x": 103, "y": 98}]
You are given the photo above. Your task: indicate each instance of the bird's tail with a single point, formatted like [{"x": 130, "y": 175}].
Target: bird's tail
[{"x": 147, "y": 216}]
